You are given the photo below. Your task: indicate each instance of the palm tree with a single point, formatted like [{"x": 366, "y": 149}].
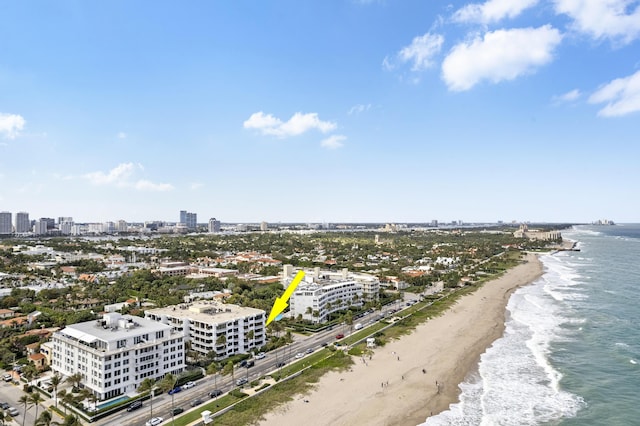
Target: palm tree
[
  {"x": 34, "y": 401},
  {"x": 62, "y": 394},
  {"x": 55, "y": 382},
  {"x": 147, "y": 385},
  {"x": 213, "y": 369},
  {"x": 24, "y": 400},
  {"x": 75, "y": 379},
  {"x": 45, "y": 419},
  {"x": 228, "y": 368},
  {"x": 167, "y": 383},
  {"x": 71, "y": 420},
  {"x": 68, "y": 399}
]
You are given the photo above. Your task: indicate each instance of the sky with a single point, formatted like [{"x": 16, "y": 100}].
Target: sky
[{"x": 321, "y": 111}]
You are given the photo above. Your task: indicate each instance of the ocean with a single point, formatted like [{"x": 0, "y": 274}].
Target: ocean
[{"x": 570, "y": 352}]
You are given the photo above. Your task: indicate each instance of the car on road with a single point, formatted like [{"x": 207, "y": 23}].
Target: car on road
[
  {"x": 324, "y": 344},
  {"x": 250, "y": 363},
  {"x": 299, "y": 355},
  {"x": 188, "y": 385},
  {"x": 175, "y": 390},
  {"x": 13, "y": 411},
  {"x": 214, "y": 393},
  {"x": 241, "y": 381},
  {"x": 260, "y": 355},
  {"x": 177, "y": 411},
  {"x": 243, "y": 363},
  {"x": 339, "y": 336},
  {"x": 154, "y": 421},
  {"x": 134, "y": 406},
  {"x": 309, "y": 351},
  {"x": 280, "y": 364},
  {"x": 196, "y": 402}
]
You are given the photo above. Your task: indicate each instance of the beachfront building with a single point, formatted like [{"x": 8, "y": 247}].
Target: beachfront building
[
  {"x": 535, "y": 234},
  {"x": 212, "y": 326},
  {"x": 316, "y": 300},
  {"x": 114, "y": 354}
]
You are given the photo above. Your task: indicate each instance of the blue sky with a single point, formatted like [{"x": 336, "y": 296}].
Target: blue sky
[{"x": 330, "y": 111}]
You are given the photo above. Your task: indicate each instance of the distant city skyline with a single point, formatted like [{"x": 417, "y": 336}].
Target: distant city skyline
[{"x": 330, "y": 111}]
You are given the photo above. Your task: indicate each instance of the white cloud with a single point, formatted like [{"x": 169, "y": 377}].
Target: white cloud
[
  {"x": 499, "y": 55},
  {"x": 613, "y": 19},
  {"x": 570, "y": 96},
  {"x": 120, "y": 176},
  {"x": 298, "y": 124},
  {"x": 121, "y": 135},
  {"x": 195, "y": 186},
  {"x": 359, "y": 108},
  {"x": 421, "y": 51},
  {"x": 492, "y": 10},
  {"x": 11, "y": 125},
  {"x": 145, "y": 185},
  {"x": 333, "y": 142},
  {"x": 621, "y": 95}
]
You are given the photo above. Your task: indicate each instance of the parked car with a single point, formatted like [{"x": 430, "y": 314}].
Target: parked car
[
  {"x": 299, "y": 355},
  {"x": 260, "y": 355},
  {"x": 177, "y": 411},
  {"x": 154, "y": 421},
  {"x": 4, "y": 405},
  {"x": 134, "y": 406},
  {"x": 214, "y": 393},
  {"x": 188, "y": 385},
  {"x": 175, "y": 390},
  {"x": 196, "y": 402},
  {"x": 13, "y": 411},
  {"x": 339, "y": 336},
  {"x": 7, "y": 377},
  {"x": 241, "y": 381}
]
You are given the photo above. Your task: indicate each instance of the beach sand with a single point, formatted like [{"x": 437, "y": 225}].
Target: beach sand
[{"x": 446, "y": 347}]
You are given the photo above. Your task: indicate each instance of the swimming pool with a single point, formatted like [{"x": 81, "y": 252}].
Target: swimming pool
[{"x": 112, "y": 402}]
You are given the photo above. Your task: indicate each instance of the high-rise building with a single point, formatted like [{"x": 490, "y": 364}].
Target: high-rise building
[
  {"x": 51, "y": 222},
  {"x": 264, "y": 226},
  {"x": 63, "y": 219},
  {"x": 23, "y": 224},
  {"x": 40, "y": 228},
  {"x": 6, "y": 227},
  {"x": 121, "y": 226},
  {"x": 214, "y": 225},
  {"x": 189, "y": 219}
]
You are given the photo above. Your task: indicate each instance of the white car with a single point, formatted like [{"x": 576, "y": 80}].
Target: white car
[
  {"x": 154, "y": 421},
  {"x": 299, "y": 355},
  {"x": 188, "y": 385},
  {"x": 260, "y": 355}
]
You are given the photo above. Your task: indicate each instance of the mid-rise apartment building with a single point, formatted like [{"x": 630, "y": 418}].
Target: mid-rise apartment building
[
  {"x": 317, "y": 300},
  {"x": 114, "y": 354},
  {"x": 213, "y": 326},
  {"x": 324, "y": 292}
]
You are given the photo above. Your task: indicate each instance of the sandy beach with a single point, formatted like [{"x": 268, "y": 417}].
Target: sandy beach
[{"x": 416, "y": 376}]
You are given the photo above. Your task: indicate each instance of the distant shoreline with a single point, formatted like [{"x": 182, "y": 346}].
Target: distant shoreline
[{"x": 397, "y": 386}]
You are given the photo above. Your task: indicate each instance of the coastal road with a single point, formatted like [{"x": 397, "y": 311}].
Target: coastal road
[{"x": 10, "y": 394}]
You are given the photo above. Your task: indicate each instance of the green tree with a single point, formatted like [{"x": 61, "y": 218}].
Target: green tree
[
  {"x": 45, "y": 419},
  {"x": 229, "y": 369},
  {"x": 55, "y": 382},
  {"x": 167, "y": 383}
]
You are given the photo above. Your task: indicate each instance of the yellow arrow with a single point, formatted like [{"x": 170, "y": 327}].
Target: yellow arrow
[{"x": 281, "y": 302}]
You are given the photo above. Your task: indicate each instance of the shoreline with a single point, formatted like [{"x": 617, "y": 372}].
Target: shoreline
[{"x": 416, "y": 376}]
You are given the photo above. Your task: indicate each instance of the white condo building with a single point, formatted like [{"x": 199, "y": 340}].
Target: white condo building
[
  {"x": 213, "y": 326},
  {"x": 323, "y": 292},
  {"x": 114, "y": 354}
]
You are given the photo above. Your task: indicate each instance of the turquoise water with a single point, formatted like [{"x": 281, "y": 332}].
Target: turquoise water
[
  {"x": 112, "y": 402},
  {"x": 571, "y": 347}
]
